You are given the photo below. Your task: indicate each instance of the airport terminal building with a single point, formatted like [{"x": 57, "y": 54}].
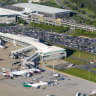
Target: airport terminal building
[{"x": 42, "y": 51}]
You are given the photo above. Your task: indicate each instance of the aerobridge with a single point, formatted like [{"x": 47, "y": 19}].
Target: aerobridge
[
  {"x": 31, "y": 59},
  {"x": 21, "y": 51}
]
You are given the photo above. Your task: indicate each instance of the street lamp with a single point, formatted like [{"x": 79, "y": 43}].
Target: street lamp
[{"x": 89, "y": 74}]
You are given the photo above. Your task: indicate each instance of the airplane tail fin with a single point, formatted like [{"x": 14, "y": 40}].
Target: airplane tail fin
[{"x": 25, "y": 85}]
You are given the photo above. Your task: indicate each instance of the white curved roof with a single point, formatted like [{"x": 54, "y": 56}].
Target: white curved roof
[{"x": 32, "y": 41}]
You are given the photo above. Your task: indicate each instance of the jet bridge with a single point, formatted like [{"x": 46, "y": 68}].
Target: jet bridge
[
  {"x": 31, "y": 59},
  {"x": 16, "y": 53}
]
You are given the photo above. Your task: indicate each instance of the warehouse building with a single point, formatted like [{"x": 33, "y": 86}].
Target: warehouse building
[{"x": 47, "y": 11}]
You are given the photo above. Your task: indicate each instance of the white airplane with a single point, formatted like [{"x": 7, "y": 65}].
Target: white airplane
[
  {"x": 5, "y": 74},
  {"x": 93, "y": 92},
  {"x": 35, "y": 85},
  {"x": 26, "y": 72},
  {"x": 36, "y": 70}
]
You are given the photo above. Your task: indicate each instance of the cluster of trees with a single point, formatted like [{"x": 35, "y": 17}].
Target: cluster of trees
[
  {"x": 21, "y": 21},
  {"x": 81, "y": 20},
  {"x": 10, "y": 24},
  {"x": 59, "y": 29},
  {"x": 73, "y": 7},
  {"x": 51, "y": 3},
  {"x": 90, "y": 4}
]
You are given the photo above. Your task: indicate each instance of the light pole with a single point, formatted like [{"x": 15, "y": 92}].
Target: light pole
[
  {"x": 53, "y": 66},
  {"x": 79, "y": 54},
  {"x": 94, "y": 58},
  {"x": 89, "y": 74}
]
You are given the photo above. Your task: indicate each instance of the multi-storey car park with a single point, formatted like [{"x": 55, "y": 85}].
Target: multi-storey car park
[{"x": 41, "y": 51}]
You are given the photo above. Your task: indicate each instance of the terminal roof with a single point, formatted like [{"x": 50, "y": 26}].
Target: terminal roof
[
  {"x": 33, "y": 42},
  {"x": 41, "y": 8}
]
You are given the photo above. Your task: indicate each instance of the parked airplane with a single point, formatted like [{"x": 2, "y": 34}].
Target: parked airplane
[
  {"x": 26, "y": 72},
  {"x": 93, "y": 92},
  {"x": 5, "y": 74},
  {"x": 36, "y": 70},
  {"x": 35, "y": 85}
]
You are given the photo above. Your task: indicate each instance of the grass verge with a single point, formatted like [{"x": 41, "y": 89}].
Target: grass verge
[
  {"x": 94, "y": 69},
  {"x": 82, "y": 57},
  {"x": 81, "y": 73}
]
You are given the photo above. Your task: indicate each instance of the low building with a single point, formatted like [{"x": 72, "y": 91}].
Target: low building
[
  {"x": 41, "y": 50},
  {"x": 8, "y": 16}
]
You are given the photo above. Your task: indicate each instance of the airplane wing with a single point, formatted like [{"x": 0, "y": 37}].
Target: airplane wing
[{"x": 19, "y": 73}]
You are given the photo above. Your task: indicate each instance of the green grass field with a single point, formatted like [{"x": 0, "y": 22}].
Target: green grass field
[
  {"x": 81, "y": 73},
  {"x": 82, "y": 57},
  {"x": 88, "y": 11},
  {"x": 94, "y": 69},
  {"x": 85, "y": 33},
  {"x": 74, "y": 61}
]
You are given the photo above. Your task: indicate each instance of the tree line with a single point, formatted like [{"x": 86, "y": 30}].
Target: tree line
[
  {"x": 59, "y": 29},
  {"x": 90, "y": 4}
]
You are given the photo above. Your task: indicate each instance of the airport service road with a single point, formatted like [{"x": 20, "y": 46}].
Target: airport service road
[{"x": 64, "y": 88}]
